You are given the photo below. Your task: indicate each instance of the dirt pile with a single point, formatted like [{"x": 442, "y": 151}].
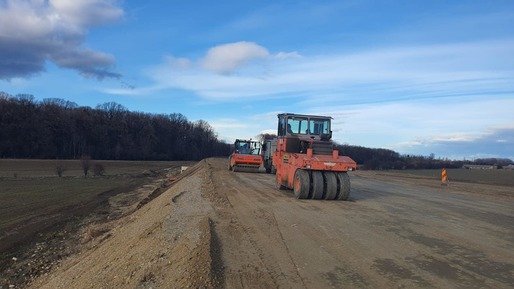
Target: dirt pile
[{"x": 164, "y": 244}]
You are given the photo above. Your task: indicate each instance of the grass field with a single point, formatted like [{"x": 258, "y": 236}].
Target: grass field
[{"x": 490, "y": 177}]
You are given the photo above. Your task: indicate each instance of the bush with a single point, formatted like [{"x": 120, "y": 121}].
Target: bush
[
  {"x": 98, "y": 169},
  {"x": 59, "y": 169}
]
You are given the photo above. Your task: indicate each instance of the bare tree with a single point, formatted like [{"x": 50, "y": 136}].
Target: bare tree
[
  {"x": 59, "y": 129},
  {"x": 85, "y": 161}
]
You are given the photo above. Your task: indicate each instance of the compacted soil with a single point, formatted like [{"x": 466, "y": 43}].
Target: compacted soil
[{"x": 219, "y": 229}]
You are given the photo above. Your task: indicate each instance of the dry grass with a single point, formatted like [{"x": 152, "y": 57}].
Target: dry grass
[
  {"x": 489, "y": 177},
  {"x": 31, "y": 188},
  {"x": 23, "y": 199},
  {"x": 48, "y": 168}
]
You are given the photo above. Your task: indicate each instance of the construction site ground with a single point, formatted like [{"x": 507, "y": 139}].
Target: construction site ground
[{"x": 219, "y": 229}]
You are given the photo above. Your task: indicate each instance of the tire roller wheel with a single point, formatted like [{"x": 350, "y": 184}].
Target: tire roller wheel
[
  {"x": 343, "y": 181},
  {"x": 330, "y": 185},
  {"x": 317, "y": 185},
  {"x": 301, "y": 184}
]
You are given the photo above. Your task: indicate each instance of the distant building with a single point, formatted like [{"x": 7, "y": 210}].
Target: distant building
[
  {"x": 509, "y": 167},
  {"x": 479, "y": 167}
]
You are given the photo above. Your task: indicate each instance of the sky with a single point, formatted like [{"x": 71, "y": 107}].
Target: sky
[{"x": 418, "y": 77}]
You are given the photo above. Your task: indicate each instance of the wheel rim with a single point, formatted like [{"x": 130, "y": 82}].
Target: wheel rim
[{"x": 301, "y": 184}]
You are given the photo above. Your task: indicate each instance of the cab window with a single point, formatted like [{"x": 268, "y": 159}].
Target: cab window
[
  {"x": 319, "y": 126},
  {"x": 297, "y": 125}
]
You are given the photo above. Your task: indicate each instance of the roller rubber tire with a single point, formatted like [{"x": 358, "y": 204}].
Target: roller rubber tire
[
  {"x": 343, "y": 192},
  {"x": 330, "y": 185},
  {"x": 301, "y": 184},
  {"x": 317, "y": 185}
]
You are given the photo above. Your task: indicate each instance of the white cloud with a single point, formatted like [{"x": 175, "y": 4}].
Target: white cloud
[
  {"x": 85, "y": 13},
  {"x": 34, "y": 31},
  {"x": 227, "y": 58}
]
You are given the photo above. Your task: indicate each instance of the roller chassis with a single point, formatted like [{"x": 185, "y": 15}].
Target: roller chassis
[{"x": 305, "y": 160}]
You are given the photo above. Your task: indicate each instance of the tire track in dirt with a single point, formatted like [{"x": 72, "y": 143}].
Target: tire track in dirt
[
  {"x": 389, "y": 235},
  {"x": 220, "y": 229},
  {"x": 260, "y": 227},
  {"x": 242, "y": 263}
]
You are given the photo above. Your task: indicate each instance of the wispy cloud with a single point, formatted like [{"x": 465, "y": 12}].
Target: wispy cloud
[
  {"x": 408, "y": 98},
  {"x": 492, "y": 142},
  {"x": 403, "y": 72},
  {"x": 458, "y": 126}
]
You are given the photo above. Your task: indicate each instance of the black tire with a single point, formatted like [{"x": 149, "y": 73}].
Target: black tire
[
  {"x": 330, "y": 185},
  {"x": 301, "y": 184},
  {"x": 343, "y": 182},
  {"x": 280, "y": 187},
  {"x": 317, "y": 185},
  {"x": 268, "y": 170}
]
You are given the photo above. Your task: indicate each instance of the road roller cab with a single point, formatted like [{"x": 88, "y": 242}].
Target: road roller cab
[{"x": 306, "y": 161}]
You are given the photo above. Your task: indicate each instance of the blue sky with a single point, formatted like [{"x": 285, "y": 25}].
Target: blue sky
[{"x": 418, "y": 77}]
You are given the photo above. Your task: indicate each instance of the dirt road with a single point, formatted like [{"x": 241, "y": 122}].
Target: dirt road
[{"x": 220, "y": 229}]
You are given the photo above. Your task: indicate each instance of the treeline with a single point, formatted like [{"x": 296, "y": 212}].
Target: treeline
[
  {"x": 60, "y": 129},
  {"x": 384, "y": 159}
]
